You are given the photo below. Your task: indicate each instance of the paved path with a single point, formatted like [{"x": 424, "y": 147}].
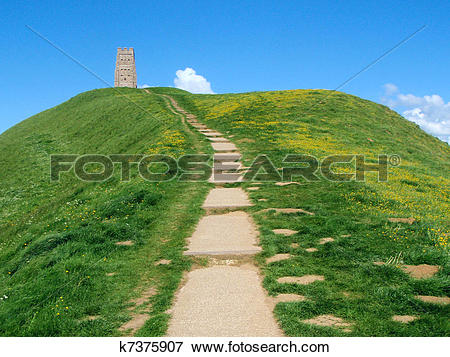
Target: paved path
[
  {"x": 237, "y": 235},
  {"x": 222, "y": 300}
]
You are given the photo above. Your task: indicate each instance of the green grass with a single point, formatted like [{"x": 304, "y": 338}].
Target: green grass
[
  {"x": 57, "y": 240},
  {"x": 321, "y": 123}
]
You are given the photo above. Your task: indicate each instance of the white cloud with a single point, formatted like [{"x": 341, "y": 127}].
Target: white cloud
[
  {"x": 390, "y": 89},
  {"x": 188, "y": 80},
  {"x": 430, "y": 112},
  {"x": 144, "y": 86}
]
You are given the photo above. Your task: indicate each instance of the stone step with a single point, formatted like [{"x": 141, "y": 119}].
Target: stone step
[
  {"x": 212, "y": 134},
  {"x": 224, "y": 147},
  {"x": 221, "y": 167},
  {"x": 223, "y": 198},
  {"x": 225, "y": 178},
  {"x": 232, "y": 233},
  {"x": 219, "y": 139},
  {"x": 226, "y": 301},
  {"x": 230, "y": 157},
  {"x": 227, "y": 165}
]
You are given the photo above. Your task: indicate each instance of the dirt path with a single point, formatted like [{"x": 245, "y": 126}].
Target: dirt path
[{"x": 219, "y": 299}]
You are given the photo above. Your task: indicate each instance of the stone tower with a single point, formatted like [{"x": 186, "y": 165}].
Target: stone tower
[{"x": 125, "y": 74}]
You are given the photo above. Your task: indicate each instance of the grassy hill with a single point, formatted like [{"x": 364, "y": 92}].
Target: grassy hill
[
  {"x": 58, "y": 240},
  {"x": 354, "y": 214}
]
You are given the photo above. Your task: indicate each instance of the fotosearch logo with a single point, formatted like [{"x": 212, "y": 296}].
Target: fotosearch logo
[{"x": 221, "y": 167}]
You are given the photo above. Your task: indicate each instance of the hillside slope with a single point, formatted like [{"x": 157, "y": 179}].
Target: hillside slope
[
  {"x": 61, "y": 270},
  {"x": 64, "y": 274},
  {"x": 376, "y": 266},
  {"x": 322, "y": 123}
]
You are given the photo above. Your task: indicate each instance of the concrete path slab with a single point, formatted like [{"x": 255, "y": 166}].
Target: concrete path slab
[
  {"x": 227, "y": 157},
  {"x": 223, "y": 301},
  {"x": 212, "y": 133},
  {"x": 223, "y": 147},
  {"x": 233, "y": 232},
  {"x": 221, "y": 178},
  {"x": 226, "y": 198},
  {"x": 219, "y": 139},
  {"x": 220, "y": 166}
]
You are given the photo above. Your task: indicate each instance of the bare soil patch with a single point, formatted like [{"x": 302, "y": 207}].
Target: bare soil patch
[
  {"x": 351, "y": 295},
  {"x": 422, "y": 271},
  {"x": 311, "y": 250},
  {"x": 245, "y": 140},
  {"x": 303, "y": 280},
  {"x": 277, "y": 258},
  {"x": 409, "y": 220},
  {"x": 442, "y": 300},
  {"x": 404, "y": 319},
  {"x": 286, "y": 183},
  {"x": 134, "y": 324},
  {"x": 163, "y": 262},
  {"x": 144, "y": 296},
  {"x": 126, "y": 243},
  {"x": 91, "y": 318},
  {"x": 285, "y": 232},
  {"x": 329, "y": 321}
]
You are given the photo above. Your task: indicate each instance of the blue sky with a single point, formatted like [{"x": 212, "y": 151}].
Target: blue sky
[{"x": 237, "y": 46}]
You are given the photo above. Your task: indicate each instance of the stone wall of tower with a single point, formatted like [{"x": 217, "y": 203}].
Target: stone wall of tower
[{"x": 125, "y": 74}]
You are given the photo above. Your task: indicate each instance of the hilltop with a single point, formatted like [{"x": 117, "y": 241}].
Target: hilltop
[{"x": 64, "y": 274}]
